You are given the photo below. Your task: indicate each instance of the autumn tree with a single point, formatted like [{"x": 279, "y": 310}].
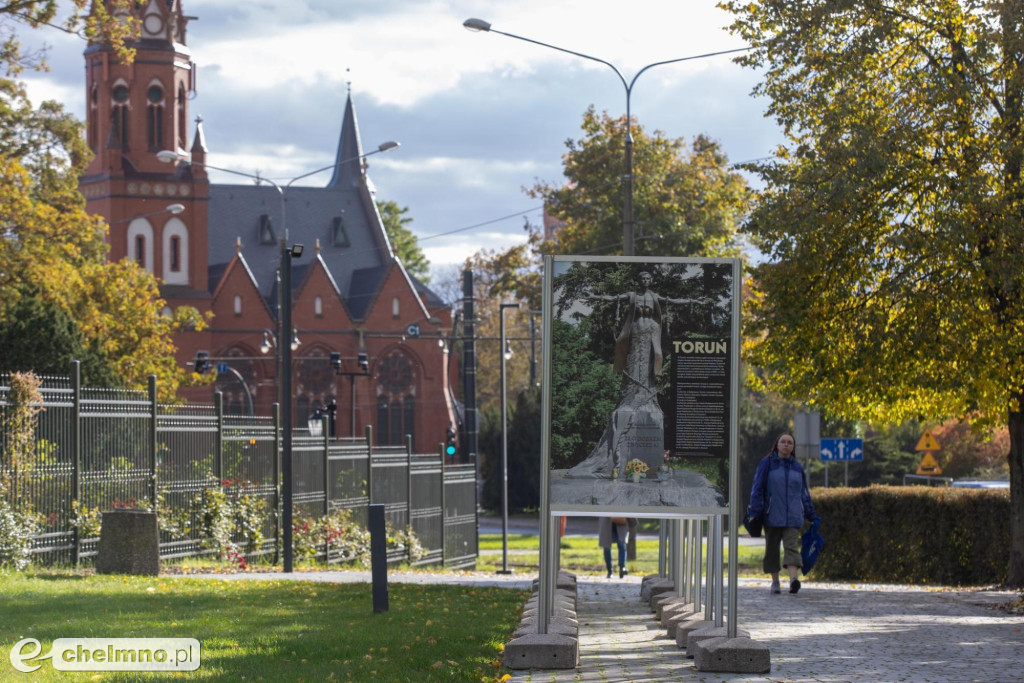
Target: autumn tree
[
  {"x": 893, "y": 218},
  {"x": 687, "y": 200},
  {"x": 108, "y": 20},
  {"x": 53, "y": 257},
  {"x": 403, "y": 241}
]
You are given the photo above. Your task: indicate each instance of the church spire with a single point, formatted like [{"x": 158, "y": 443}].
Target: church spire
[{"x": 347, "y": 164}]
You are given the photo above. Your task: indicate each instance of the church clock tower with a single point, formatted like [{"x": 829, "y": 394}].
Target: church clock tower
[{"x": 157, "y": 211}]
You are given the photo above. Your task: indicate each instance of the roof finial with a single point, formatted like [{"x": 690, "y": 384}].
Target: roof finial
[
  {"x": 317, "y": 245},
  {"x": 348, "y": 74},
  {"x": 238, "y": 245}
]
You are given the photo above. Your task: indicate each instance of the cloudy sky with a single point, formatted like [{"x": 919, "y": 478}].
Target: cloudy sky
[{"x": 479, "y": 116}]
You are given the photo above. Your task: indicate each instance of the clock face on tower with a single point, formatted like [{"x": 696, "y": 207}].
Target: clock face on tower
[{"x": 153, "y": 24}]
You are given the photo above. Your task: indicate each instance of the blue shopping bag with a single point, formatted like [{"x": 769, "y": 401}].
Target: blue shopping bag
[{"x": 811, "y": 545}]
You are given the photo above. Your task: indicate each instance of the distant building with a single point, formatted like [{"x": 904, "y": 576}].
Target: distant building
[{"x": 351, "y": 296}]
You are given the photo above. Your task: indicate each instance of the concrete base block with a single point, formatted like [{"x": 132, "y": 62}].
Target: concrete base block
[
  {"x": 667, "y": 603},
  {"x": 645, "y": 586},
  {"x": 678, "y": 618},
  {"x": 696, "y": 622},
  {"x": 677, "y": 609},
  {"x": 659, "y": 587},
  {"x": 732, "y": 655},
  {"x": 553, "y": 627},
  {"x": 567, "y": 582},
  {"x": 694, "y": 637},
  {"x": 565, "y": 621},
  {"x": 557, "y": 611},
  {"x": 548, "y": 651},
  {"x": 129, "y": 543}
]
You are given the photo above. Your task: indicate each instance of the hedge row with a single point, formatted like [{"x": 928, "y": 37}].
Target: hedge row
[{"x": 914, "y": 534}]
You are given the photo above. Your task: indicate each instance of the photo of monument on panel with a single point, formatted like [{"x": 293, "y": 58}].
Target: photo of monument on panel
[{"x": 640, "y": 382}]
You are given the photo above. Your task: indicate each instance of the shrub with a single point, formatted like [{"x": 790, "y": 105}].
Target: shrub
[
  {"x": 346, "y": 540},
  {"x": 16, "y": 531},
  {"x": 914, "y": 534}
]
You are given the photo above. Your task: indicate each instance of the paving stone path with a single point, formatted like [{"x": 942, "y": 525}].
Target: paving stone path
[{"x": 826, "y": 632}]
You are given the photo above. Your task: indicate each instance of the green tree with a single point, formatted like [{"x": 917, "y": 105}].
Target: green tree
[
  {"x": 405, "y": 244},
  {"x": 893, "y": 217},
  {"x": 686, "y": 199}
]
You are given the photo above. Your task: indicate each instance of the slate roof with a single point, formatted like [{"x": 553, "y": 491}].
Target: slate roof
[{"x": 357, "y": 263}]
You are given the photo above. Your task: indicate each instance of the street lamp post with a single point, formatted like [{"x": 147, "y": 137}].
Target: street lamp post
[
  {"x": 284, "y": 350},
  {"x": 627, "y": 201},
  {"x": 506, "y": 353}
]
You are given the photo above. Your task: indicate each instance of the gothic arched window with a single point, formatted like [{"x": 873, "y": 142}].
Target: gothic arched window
[
  {"x": 396, "y": 398},
  {"x": 119, "y": 105},
  {"x": 155, "y": 117},
  {"x": 182, "y": 122}
]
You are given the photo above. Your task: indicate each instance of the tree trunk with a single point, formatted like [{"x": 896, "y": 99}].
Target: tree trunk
[{"x": 1015, "y": 574}]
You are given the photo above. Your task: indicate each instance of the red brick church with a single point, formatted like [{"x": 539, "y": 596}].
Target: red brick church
[{"x": 351, "y": 297}]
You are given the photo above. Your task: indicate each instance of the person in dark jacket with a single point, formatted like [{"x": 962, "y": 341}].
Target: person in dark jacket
[
  {"x": 615, "y": 530},
  {"x": 780, "y": 496}
]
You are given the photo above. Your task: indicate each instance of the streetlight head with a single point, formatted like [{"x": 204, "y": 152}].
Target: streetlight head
[
  {"x": 167, "y": 156},
  {"x": 385, "y": 146},
  {"x": 265, "y": 344},
  {"x": 295, "y": 339},
  {"x": 296, "y": 250},
  {"x": 508, "y": 351},
  {"x": 476, "y": 25},
  {"x": 174, "y": 209}
]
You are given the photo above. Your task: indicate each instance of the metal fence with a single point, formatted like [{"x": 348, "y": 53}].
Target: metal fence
[{"x": 96, "y": 449}]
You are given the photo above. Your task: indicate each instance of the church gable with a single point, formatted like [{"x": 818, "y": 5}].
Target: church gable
[
  {"x": 396, "y": 302},
  {"x": 237, "y": 302},
  {"x": 317, "y": 301}
]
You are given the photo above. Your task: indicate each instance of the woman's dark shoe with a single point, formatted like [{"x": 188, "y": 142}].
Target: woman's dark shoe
[
  {"x": 794, "y": 585},
  {"x": 609, "y": 574},
  {"x": 622, "y": 572}
]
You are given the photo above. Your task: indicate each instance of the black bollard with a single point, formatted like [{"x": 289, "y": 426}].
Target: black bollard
[{"x": 379, "y": 558}]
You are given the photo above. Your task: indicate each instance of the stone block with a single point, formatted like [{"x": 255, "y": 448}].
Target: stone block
[
  {"x": 680, "y": 618},
  {"x": 695, "y": 622},
  {"x": 659, "y": 587},
  {"x": 129, "y": 543},
  {"x": 695, "y": 636},
  {"x": 553, "y": 627},
  {"x": 556, "y": 612},
  {"x": 567, "y": 621},
  {"x": 676, "y": 609},
  {"x": 732, "y": 655},
  {"x": 666, "y": 600},
  {"x": 647, "y": 583},
  {"x": 542, "y": 651}
]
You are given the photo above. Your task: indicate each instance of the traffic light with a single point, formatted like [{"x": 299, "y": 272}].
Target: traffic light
[
  {"x": 202, "y": 362},
  {"x": 449, "y": 442}
]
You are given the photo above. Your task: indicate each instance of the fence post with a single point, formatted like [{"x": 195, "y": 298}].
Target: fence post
[
  {"x": 76, "y": 451},
  {"x": 408, "y": 489},
  {"x": 327, "y": 486},
  {"x": 152, "y": 442},
  {"x": 369, "y": 464},
  {"x": 444, "y": 506},
  {"x": 276, "y": 411},
  {"x": 218, "y": 454}
]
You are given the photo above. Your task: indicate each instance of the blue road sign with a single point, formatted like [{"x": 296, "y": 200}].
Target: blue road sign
[
  {"x": 842, "y": 450},
  {"x": 222, "y": 368},
  {"x": 413, "y": 331}
]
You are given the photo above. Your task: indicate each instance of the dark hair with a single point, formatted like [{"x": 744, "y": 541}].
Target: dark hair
[{"x": 775, "y": 445}]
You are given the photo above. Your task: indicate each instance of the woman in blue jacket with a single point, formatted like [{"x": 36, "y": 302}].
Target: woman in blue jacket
[{"x": 780, "y": 497}]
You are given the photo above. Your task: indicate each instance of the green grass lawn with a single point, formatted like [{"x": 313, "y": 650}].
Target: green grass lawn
[
  {"x": 582, "y": 555},
  {"x": 269, "y": 630}
]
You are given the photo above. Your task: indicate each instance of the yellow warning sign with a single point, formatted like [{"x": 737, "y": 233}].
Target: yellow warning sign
[
  {"x": 927, "y": 442},
  {"x": 929, "y": 465}
]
